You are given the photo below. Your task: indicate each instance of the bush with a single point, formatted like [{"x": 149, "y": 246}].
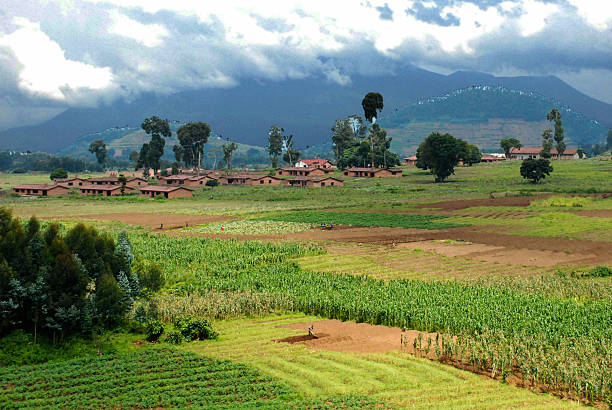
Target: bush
[
  {"x": 150, "y": 276},
  {"x": 594, "y": 272},
  {"x": 154, "y": 330},
  {"x": 195, "y": 328},
  {"x": 212, "y": 182},
  {"x": 535, "y": 169},
  {"x": 59, "y": 173},
  {"x": 19, "y": 171},
  {"x": 175, "y": 337}
]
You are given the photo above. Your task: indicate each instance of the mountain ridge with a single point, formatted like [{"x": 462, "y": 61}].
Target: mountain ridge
[{"x": 306, "y": 108}]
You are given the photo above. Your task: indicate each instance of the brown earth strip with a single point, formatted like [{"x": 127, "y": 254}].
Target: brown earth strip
[
  {"x": 597, "y": 213},
  {"x": 159, "y": 221}
]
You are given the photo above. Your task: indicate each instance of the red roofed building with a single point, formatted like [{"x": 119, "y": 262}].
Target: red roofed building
[
  {"x": 410, "y": 161},
  {"x": 303, "y": 171},
  {"x": 314, "y": 163},
  {"x": 40, "y": 190},
  {"x": 534, "y": 152},
  {"x": 170, "y": 192},
  {"x": 372, "y": 172},
  {"x": 104, "y": 190}
]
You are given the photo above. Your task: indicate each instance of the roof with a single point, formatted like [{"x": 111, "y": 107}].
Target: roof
[
  {"x": 178, "y": 177},
  {"x": 495, "y": 157},
  {"x": 372, "y": 169},
  {"x": 537, "y": 150},
  {"x": 162, "y": 188},
  {"x": 104, "y": 187},
  {"x": 103, "y": 179},
  {"x": 68, "y": 179},
  {"x": 303, "y": 169},
  {"x": 39, "y": 186},
  {"x": 261, "y": 176},
  {"x": 315, "y": 161},
  {"x": 140, "y": 178},
  {"x": 412, "y": 158}
]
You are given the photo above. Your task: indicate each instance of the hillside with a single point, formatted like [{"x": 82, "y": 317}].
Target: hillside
[
  {"x": 306, "y": 108},
  {"x": 120, "y": 141},
  {"x": 483, "y": 115}
]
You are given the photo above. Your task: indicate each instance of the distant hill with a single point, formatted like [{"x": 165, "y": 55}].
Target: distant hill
[
  {"x": 483, "y": 115},
  {"x": 121, "y": 141},
  {"x": 305, "y": 107}
]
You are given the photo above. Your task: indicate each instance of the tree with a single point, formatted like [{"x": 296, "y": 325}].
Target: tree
[
  {"x": 134, "y": 156},
  {"x": 175, "y": 168},
  {"x": 192, "y": 137},
  {"x": 547, "y": 143},
  {"x": 275, "y": 144},
  {"x": 228, "y": 152},
  {"x": 59, "y": 173},
  {"x": 535, "y": 169},
  {"x": 214, "y": 152},
  {"x": 508, "y": 143},
  {"x": 347, "y": 133},
  {"x": 609, "y": 140},
  {"x": 98, "y": 148},
  {"x": 122, "y": 180},
  {"x": 580, "y": 153},
  {"x": 371, "y": 104},
  {"x": 291, "y": 155},
  {"x": 471, "y": 155},
  {"x": 439, "y": 153},
  {"x": 555, "y": 115},
  {"x": 158, "y": 129}
]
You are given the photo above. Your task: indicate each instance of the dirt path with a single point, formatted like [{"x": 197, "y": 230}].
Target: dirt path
[
  {"x": 165, "y": 221},
  {"x": 337, "y": 336}
]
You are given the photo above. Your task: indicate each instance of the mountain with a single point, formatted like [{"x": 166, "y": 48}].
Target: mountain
[
  {"x": 483, "y": 115},
  {"x": 305, "y": 107}
]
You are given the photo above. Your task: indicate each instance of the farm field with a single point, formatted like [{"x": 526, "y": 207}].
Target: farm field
[{"x": 483, "y": 292}]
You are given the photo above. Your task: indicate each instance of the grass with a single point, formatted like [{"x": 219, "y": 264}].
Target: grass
[
  {"x": 251, "y": 228},
  {"x": 397, "y": 378}
]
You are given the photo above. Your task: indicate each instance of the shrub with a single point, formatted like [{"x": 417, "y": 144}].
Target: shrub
[
  {"x": 154, "y": 330},
  {"x": 212, "y": 182},
  {"x": 150, "y": 277},
  {"x": 175, "y": 337},
  {"x": 59, "y": 173},
  {"x": 195, "y": 328},
  {"x": 535, "y": 169}
]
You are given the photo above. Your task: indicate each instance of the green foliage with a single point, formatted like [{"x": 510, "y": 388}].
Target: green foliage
[
  {"x": 212, "y": 183},
  {"x": 371, "y": 104},
  {"x": 151, "y": 153},
  {"x": 192, "y": 137},
  {"x": 275, "y": 144},
  {"x": 345, "y": 134},
  {"x": 149, "y": 378},
  {"x": 154, "y": 330},
  {"x": 471, "y": 155},
  {"x": 535, "y": 169},
  {"x": 555, "y": 115},
  {"x": 594, "y": 272},
  {"x": 150, "y": 276},
  {"x": 547, "y": 143},
  {"x": 507, "y": 143},
  {"x": 363, "y": 219},
  {"x": 111, "y": 301},
  {"x": 440, "y": 153},
  {"x": 174, "y": 337},
  {"x": 228, "y": 152},
  {"x": 98, "y": 148},
  {"x": 193, "y": 328},
  {"x": 59, "y": 173}
]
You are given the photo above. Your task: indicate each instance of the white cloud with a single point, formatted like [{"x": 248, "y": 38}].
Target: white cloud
[
  {"x": 598, "y": 13},
  {"x": 45, "y": 70},
  {"x": 534, "y": 17},
  {"x": 149, "y": 35}
]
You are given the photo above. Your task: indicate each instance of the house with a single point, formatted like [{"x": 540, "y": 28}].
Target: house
[
  {"x": 135, "y": 182},
  {"x": 258, "y": 180},
  {"x": 169, "y": 192},
  {"x": 263, "y": 180},
  {"x": 534, "y": 152},
  {"x": 303, "y": 172},
  {"x": 492, "y": 158},
  {"x": 186, "y": 180},
  {"x": 314, "y": 163},
  {"x": 70, "y": 182},
  {"x": 104, "y": 190},
  {"x": 410, "y": 161},
  {"x": 40, "y": 189},
  {"x": 313, "y": 182},
  {"x": 102, "y": 181},
  {"x": 372, "y": 172}
]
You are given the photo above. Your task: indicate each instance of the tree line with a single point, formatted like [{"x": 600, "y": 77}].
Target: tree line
[
  {"x": 39, "y": 161},
  {"x": 59, "y": 284}
]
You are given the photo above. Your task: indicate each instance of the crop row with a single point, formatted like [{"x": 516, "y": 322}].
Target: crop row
[{"x": 364, "y": 219}]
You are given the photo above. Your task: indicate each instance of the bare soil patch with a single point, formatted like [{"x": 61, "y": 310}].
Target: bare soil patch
[
  {"x": 597, "y": 213},
  {"x": 337, "y": 336},
  {"x": 158, "y": 221}
]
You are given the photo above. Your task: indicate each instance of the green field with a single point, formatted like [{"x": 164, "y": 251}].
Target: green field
[{"x": 510, "y": 333}]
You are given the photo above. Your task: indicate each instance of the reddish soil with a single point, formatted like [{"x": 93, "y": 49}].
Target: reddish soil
[
  {"x": 168, "y": 221},
  {"x": 597, "y": 213},
  {"x": 338, "y": 336}
]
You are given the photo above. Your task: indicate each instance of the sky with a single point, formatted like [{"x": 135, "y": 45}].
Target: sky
[{"x": 56, "y": 54}]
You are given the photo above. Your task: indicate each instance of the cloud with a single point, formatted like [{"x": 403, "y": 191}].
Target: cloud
[
  {"x": 70, "y": 53},
  {"x": 149, "y": 35}
]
